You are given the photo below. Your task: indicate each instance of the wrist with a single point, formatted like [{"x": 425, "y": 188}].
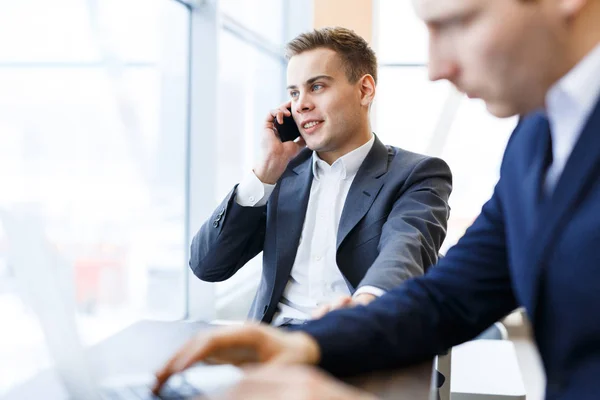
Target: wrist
[
  {"x": 309, "y": 347},
  {"x": 364, "y": 298},
  {"x": 269, "y": 172}
]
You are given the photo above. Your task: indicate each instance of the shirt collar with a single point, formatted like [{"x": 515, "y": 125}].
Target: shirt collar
[
  {"x": 577, "y": 92},
  {"x": 348, "y": 164}
]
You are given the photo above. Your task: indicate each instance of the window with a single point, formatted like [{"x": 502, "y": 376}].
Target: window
[
  {"x": 264, "y": 19},
  {"x": 92, "y": 144},
  {"x": 430, "y": 117},
  {"x": 247, "y": 91}
]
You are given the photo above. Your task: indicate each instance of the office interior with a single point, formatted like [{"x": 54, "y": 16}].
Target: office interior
[{"x": 124, "y": 123}]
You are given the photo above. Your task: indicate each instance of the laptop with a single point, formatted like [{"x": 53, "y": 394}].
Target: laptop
[{"x": 122, "y": 366}]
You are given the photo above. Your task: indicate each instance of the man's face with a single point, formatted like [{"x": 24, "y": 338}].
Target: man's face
[
  {"x": 326, "y": 106},
  {"x": 505, "y": 52}
]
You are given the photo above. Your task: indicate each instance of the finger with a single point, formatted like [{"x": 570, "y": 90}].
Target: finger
[
  {"x": 271, "y": 126},
  {"x": 286, "y": 107},
  {"x": 219, "y": 344},
  {"x": 342, "y": 302},
  {"x": 276, "y": 115},
  {"x": 235, "y": 346},
  {"x": 272, "y": 116},
  {"x": 363, "y": 299},
  {"x": 235, "y": 356},
  {"x": 319, "y": 312},
  {"x": 173, "y": 365}
]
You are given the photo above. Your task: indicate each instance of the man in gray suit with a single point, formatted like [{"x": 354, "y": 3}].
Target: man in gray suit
[{"x": 340, "y": 217}]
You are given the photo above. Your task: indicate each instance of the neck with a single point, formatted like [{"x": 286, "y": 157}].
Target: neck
[{"x": 356, "y": 140}]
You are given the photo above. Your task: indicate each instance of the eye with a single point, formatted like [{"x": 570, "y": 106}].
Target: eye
[
  {"x": 459, "y": 21},
  {"x": 293, "y": 94},
  {"x": 317, "y": 86}
]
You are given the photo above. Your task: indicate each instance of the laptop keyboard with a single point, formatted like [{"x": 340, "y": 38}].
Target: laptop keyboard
[{"x": 182, "y": 391}]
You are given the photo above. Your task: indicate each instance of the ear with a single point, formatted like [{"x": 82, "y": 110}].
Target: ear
[
  {"x": 571, "y": 8},
  {"x": 367, "y": 89}
]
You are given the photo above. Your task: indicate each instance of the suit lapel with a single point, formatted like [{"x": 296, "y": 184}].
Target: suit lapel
[
  {"x": 294, "y": 192},
  {"x": 534, "y": 178},
  {"x": 364, "y": 189},
  {"x": 580, "y": 172}
]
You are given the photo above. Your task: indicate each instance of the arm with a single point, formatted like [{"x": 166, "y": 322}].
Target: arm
[
  {"x": 231, "y": 237},
  {"x": 235, "y": 233},
  {"x": 466, "y": 292},
  {"x": 415, "y": 228}
]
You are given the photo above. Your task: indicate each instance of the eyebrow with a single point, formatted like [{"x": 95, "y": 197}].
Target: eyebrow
[
  {"x": 313, "y": 80},
  {"x": 447, "y": 19},
  {"x": 452, "y": 16}
]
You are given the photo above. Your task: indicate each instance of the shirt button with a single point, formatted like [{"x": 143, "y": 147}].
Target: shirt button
[
  {"x": 251, "y": 198},
  {"x": 318, "y": 258}
]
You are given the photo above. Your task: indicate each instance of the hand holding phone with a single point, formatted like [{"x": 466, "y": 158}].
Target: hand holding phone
[{"x": 281, "y": 142}]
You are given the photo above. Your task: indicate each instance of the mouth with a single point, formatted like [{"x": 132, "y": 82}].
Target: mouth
[
  {"x": 470, "y": 93},
  {"x": 311, "y": 126}
]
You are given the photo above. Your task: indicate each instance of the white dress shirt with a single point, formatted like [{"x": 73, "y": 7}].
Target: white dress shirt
[
  {"x": 315, "y": 278},
  {"x": 569, "y": 104}
]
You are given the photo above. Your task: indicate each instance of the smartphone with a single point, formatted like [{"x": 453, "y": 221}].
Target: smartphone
[{"x": 288, "y": 131}]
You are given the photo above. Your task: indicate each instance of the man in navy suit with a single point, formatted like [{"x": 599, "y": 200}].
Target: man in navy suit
[
  {"x": 534, "y": 243},
  {"x": 340, "y": 217}
]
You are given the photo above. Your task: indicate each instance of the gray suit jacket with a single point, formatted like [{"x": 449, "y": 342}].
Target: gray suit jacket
[{"x": 392, "y": 226}]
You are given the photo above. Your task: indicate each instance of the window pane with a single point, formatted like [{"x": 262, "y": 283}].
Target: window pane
[
  {"x": 407, "y": 106},
  {"x": 95, "y": 151},
  {"x": 246, "y": 94},
  {"x": 473, "y": 149},
  {"x": 265, "y": 17},
  {"x": 61, "y": 31},
  {"x": 401, "y": 36},
  {"x": 407, "y": 111}
]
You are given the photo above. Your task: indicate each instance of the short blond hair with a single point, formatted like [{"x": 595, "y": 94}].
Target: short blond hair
[{"x": 356, "y": 54}]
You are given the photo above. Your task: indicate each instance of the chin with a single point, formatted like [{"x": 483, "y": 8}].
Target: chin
[
  {"x": 502, "y": 110},
  {"x": 315, "y": 144}
]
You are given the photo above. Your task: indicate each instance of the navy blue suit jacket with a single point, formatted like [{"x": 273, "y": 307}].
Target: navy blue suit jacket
[
  {"x": 392, "y": 226},
  {"x": 520, "y": 251}
]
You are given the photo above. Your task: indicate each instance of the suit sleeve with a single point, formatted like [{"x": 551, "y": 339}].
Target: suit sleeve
[
  {"x": 231, "y": 237},
  {"x": 415, "y": 228},
  {"x": 466, "y": 292}
]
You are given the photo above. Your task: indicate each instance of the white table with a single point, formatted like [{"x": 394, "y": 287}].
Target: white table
[{"x": 486, "y": 370}]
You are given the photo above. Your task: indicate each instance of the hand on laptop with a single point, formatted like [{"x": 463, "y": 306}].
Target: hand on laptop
[
  {"x": 242, "y": 345},
  {"x": 344, "y": 302},
  {"x": 294, "y": 382}
]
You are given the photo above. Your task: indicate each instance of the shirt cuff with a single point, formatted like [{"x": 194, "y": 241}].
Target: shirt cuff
[
  {"x": 375, "y": 291},
  {"x": 251, "y": 192}
]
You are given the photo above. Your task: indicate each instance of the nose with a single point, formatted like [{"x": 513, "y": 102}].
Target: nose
[
  {"x": 304, "y": 103},
  {"x": 442, "y": 63}
]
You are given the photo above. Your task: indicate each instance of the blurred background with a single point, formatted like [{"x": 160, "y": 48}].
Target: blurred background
[{"x": 123, "y": 123}]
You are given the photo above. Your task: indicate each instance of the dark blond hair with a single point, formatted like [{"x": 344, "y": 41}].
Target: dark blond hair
[{"x": 356, "y": 54}]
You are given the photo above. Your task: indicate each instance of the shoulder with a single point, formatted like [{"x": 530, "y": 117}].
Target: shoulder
[{"x": 401, "y": 159}]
